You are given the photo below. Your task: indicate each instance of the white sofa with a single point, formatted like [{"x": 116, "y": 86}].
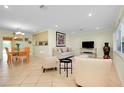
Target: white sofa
[
  {"x": 63, "y": 52},
  {"x": 91, "y": 72}
]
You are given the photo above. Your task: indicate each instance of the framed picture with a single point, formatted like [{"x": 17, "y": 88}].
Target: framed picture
[{"x": 60, "y": 39}]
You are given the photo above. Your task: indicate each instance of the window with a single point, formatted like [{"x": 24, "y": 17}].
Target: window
[
  {"x": 119, "y": 38},
  {"x": 122, "y": 37}
]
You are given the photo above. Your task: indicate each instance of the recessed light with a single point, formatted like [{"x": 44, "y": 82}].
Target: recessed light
[
  {"x": 90, "y": 14},
  {"x": 97, "y": 28},
  {"x": 56, "y": 25},
  {"x": 5, "y": 6}
]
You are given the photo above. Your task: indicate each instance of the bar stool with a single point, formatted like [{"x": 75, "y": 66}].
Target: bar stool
[{"x": 66, "y": 61}]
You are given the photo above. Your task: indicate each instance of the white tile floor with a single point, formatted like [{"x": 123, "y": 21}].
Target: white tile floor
[{"x": 31, "y": 75}]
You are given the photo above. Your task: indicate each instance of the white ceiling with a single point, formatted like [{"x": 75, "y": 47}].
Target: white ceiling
[{"x": 32, "y": 18}]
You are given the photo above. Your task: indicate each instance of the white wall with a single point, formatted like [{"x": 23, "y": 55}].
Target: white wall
[
  {"x": 51, "y": 41},
  {"x": 40, "y": 50},
  {"x": 99, "y": 38},
  {"x": 48, "y": 50},
  {"x": 68, "y": 39}
]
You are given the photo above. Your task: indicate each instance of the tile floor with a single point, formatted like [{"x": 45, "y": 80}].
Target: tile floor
[{"x": 31, "y": 75}]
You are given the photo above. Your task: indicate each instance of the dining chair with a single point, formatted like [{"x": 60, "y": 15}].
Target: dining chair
[
  {"x": 14, "y": 54},
  {"x": 20, "y": 55},
  {"x": 9, "y": 56},
  {"x": 27, "y": 53},
  {"x": 23, "y": 55},
  {"x": 13, "y": 49}
]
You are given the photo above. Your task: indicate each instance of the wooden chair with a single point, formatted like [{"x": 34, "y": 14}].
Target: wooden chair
[
  {"x": 20, "y": 55},
  {"x": 23, "y": 55},
  {"x": 27, "y": 54},
  {"x": 13, "y": 50},
  {"x": 9, "y": 56},
  {"x": 15, "y": 54}
]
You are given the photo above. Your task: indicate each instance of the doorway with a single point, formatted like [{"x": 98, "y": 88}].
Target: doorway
[{"x": 8, "y": 44}]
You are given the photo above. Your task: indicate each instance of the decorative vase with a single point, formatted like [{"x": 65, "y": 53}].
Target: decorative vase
[{"x": 106, "y": 50}]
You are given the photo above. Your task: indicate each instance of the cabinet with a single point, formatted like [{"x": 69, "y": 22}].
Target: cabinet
[{"x": 91, "y": 52}]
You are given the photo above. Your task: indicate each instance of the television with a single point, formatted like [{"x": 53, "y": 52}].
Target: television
[{"x": 88, "y": 44}]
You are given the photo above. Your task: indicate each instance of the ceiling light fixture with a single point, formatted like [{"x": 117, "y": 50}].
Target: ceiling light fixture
[
  {"x": 5, "y": 6},
  {"x": 19, "y": 33},
  {"x": 18, "y": 30},
  {"x": 90, "y": 14}
]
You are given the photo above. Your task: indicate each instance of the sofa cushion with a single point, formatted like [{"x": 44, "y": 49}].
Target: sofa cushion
[
  {"x": 66, "y": 54},
  {"x": 61, "y": 50}
]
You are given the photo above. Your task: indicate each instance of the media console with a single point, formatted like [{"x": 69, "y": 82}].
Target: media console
[{"x": 91, "y": 52}]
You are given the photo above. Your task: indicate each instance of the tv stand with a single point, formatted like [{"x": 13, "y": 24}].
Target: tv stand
[{"x": 91, "y": 52}]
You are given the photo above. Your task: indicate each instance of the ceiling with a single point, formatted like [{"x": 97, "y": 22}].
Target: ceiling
[{"x": 32, "y": 18}]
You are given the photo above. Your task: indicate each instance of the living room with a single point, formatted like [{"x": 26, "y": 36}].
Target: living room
[{"x": 44, "y": 35}]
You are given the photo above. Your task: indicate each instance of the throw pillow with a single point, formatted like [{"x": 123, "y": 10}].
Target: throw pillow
[
  {"x": 68, "y": 50},
  {"x": 58, "y": 50},
  {"x": 61, "y": 50}
]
